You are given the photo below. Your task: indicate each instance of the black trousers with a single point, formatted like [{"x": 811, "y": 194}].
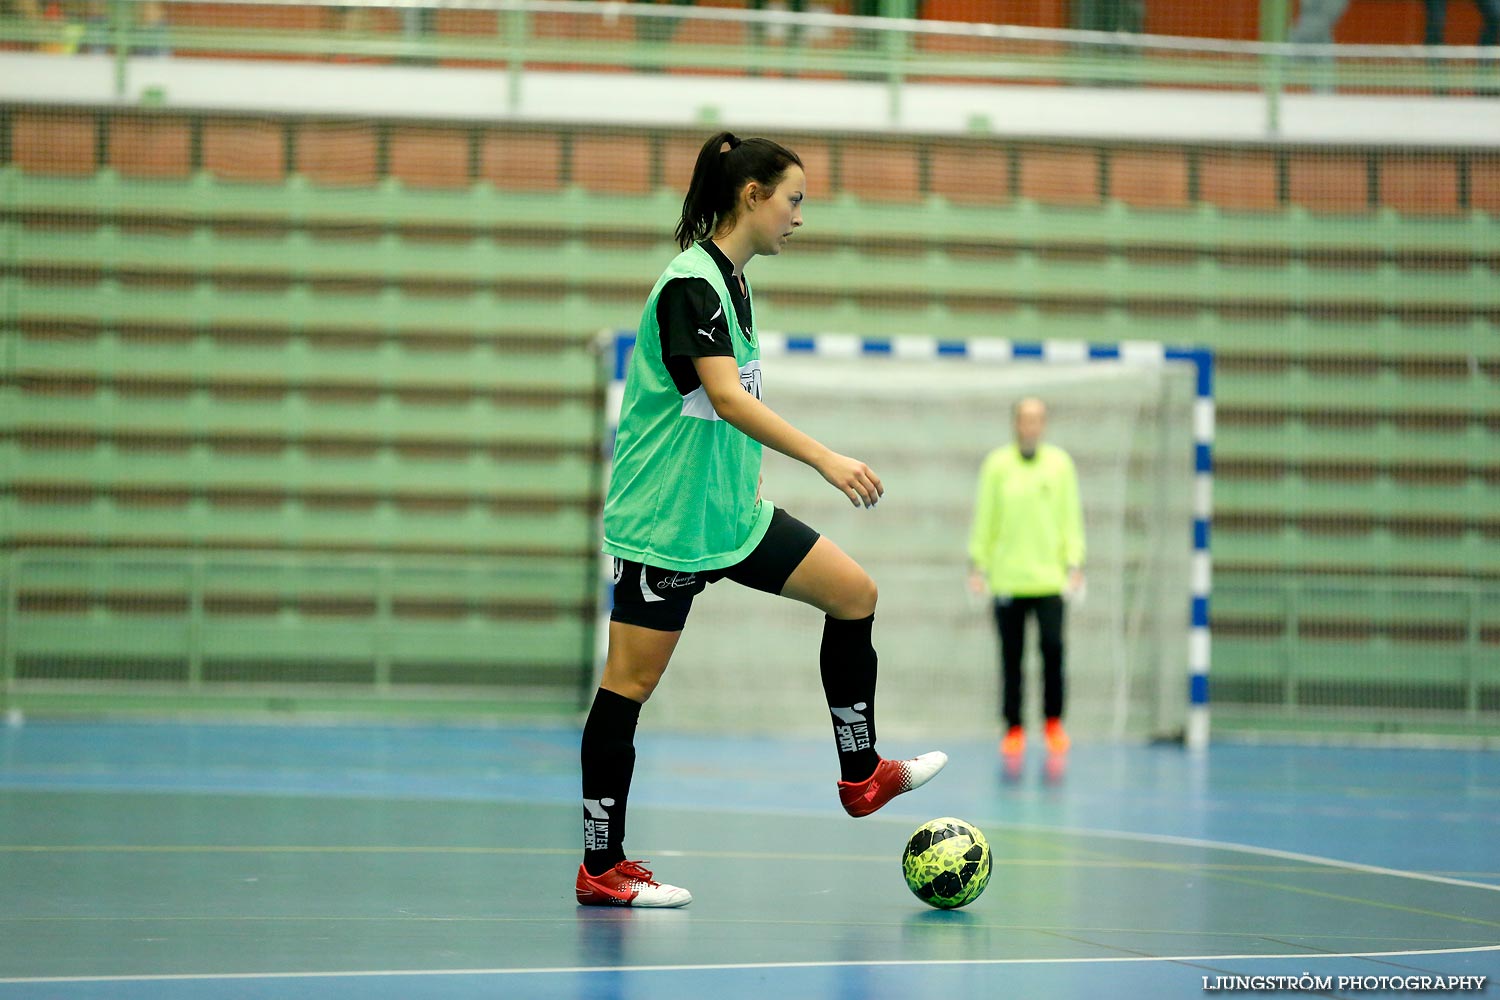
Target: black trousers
[
  {"x": 1010, "y": 620},
  {"x": 1437, "y": 16}
]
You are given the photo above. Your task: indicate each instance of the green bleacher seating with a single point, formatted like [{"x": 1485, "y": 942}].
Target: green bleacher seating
[
  {"x": 1378, "y": 445},
  {"x": 1361, "y": 642},
  {"x": 384, "y": 344},
  {"x": 390, "y": 311},
  {"x": 1245, "y": 547},
  {"x": 487, "y": 204},
  {"x": 303, "y": 472},
  {"x": 153, "y": 520},
  {"x": 297, "y": 626},
  {"x": 847, "y": 271},
  {"x": 202, "y": 360},
  {"x": 191, "y": 415}
]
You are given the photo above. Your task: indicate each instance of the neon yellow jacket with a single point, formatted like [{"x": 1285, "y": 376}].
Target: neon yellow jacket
[{"x": 1028, "y": 525}]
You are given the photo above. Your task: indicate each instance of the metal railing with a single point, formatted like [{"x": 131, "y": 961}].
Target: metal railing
[
  {"x": 893, "y": 50},
  {"x": 65, "y": 608},
  {"x": 1408, "y": 647}
]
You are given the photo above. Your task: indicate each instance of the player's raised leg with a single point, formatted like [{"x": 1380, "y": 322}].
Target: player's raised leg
[
  {"x": 636, "y": 661},
  {"x": 831, "y": 581}
]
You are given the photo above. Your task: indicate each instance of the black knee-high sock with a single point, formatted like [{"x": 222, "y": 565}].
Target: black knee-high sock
[
  {"x": 847, "y": 663},
  {"x": 607, "y": 754}
]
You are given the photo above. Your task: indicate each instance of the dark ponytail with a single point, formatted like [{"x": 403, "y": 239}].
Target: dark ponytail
[{"x": 725, "y": 165}]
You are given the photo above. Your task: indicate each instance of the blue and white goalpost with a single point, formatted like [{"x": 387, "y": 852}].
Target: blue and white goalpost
[{"x": 1138, "y": 419}]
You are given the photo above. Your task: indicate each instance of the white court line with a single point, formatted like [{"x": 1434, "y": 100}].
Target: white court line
[
  {"x": 1266, "y": 852},
  {"x": 749, "y": 966},
  {"x": 1168, "y": 839},
  {"x": 1154, "y": 838}
]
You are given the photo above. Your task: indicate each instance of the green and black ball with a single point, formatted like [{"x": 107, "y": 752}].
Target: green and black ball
[{"x": 946, "y": 863}]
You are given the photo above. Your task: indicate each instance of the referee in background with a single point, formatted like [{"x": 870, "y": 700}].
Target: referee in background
[{"x": 1026, "y": 551}]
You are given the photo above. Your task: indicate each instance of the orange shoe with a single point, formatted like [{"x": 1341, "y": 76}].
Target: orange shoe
[
  {"x": 1057, "y": 737},
  {"x": 627, "y": 884},
  {"x": 1014, "y": 742}
]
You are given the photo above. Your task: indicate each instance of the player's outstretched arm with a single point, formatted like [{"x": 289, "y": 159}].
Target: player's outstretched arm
[{"x": 721, "y": 381}]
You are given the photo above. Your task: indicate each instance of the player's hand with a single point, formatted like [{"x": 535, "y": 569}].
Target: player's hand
[
  {"x": 978, "y": 586},
  {"x": 1075, "y": 581},
  {"x": 853, "y": 478}
]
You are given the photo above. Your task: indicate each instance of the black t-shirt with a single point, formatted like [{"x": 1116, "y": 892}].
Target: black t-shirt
[{"x": 693, "y": 324}]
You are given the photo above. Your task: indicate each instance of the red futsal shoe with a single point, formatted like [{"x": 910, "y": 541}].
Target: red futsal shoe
[
  {"x": 891, "y": 778},
  {"x": 627, "y": 884}
]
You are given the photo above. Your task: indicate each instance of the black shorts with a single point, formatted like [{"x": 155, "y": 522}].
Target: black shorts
[{"x": 660, "y": 599}]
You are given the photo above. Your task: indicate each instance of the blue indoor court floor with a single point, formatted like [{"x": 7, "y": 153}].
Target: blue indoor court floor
[{"x": 171, "y": 861}]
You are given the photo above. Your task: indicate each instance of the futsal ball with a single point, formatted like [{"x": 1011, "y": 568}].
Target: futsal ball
[{"x": 946, "y": 863}]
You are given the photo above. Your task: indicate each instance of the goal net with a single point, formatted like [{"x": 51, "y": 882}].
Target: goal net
[{"x": 924, "y": 418}]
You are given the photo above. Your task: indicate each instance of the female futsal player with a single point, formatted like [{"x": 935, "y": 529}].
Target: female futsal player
[{"x": 684, "y": 508}]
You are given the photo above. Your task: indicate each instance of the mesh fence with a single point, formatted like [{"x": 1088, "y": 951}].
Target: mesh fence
[
  {"x": 1128, "y": 429},
  {"x": 327, "y": 279}
]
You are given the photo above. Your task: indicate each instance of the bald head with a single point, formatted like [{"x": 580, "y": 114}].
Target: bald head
[{"x": 1030, "y": 415}]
